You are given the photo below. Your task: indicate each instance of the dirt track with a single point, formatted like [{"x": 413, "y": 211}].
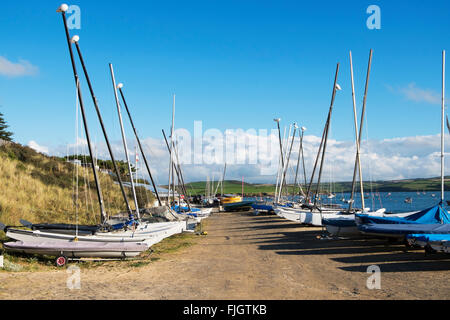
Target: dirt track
[{"x": 248, "y": 257}]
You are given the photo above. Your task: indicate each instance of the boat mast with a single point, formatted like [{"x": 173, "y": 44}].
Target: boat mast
[
  {"x": 63, "y": 8},
  {"x": 300, "y": 151},
  {"x": 284, "y": 157},
  {"x": 178, "y": 170},
  {"x": 303, "y": 155},
  {"x": 171, "y": 175},
  {"x": 280, "y": 162},
  {"x": 335, "y": 88},
  {"x": 75, "y": 40},
  {"x": 442, "y": 127},
  {"x": 124, "y": 139},
  {"x": 289, "y": 154},
  {"x": 307, "y": 200},
  {"x": 359, "y": 135},
  {"x": 223, "y": 178},
  {"x": 139, "y": 144}
]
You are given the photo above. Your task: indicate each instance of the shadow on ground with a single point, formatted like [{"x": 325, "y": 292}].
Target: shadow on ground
[{"x": 354, "y": 255}]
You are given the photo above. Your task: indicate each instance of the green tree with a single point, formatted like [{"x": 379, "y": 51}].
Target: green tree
[{"x": 4, "y": 134}]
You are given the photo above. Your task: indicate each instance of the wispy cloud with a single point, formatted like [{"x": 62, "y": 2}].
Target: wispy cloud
[
  {"x": 416, "y": 94},
  {"x": 19, "y": 69},
  {"x": 34, "y": 145}
]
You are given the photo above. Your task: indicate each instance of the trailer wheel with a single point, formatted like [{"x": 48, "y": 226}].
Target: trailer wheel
[{"x": 61, "y": 261}]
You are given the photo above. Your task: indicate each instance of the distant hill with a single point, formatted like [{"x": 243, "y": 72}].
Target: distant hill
[{"x": 407, "y": 185}]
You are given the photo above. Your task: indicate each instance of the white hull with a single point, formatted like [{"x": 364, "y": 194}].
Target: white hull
[
  {"x": 79, "y": 250},
  {"x": 151, "y": 234},
  {"x": 313, "y": 218}
]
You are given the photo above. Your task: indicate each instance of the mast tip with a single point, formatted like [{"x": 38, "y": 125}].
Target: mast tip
[
  {"x": 75, "y": 39},
  {"x": 63, "y": 8}
]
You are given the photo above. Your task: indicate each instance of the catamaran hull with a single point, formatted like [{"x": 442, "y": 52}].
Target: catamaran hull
[
  {"x": 346, "y": 225},
  {"x": 150, "y": 235},
  {"x": 78, "y": 250},
  {"x": 304, "y": 217}
]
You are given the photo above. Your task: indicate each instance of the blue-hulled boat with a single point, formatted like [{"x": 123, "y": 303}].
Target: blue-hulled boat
[
  {"x": 434, "y": 215},
  {"x": 403, "y": 230}
]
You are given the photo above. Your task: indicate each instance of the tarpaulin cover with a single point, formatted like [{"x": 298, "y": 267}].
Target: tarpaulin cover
[
  {"x": 429, "y": 237},
  {"x": 433, "y": 215}
]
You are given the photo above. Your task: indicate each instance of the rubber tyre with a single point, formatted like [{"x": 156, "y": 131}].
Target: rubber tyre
[{"x": 61, "y": 261}]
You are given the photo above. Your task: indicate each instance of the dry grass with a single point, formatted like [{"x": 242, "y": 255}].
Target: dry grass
[{"x": 41, "y": 189}]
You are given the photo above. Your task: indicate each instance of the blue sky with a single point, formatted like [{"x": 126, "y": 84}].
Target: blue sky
[{"x": 232, "y": 64}]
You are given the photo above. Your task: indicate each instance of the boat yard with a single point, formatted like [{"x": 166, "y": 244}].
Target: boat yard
[
  {"x": 117, "y": 208},
  {"x": 248, "y": 257}
]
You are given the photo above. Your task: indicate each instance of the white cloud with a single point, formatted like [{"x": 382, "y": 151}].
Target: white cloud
[
  {"x": 19, "y": 69},
  {"x": 413, "y": 93},
  {"x": 388, "y": 159},
  {"x": 34, "y": 145}
]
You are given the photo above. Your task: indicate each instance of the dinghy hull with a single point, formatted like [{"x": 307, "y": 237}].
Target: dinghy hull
[{"x": 78, "y": 249}]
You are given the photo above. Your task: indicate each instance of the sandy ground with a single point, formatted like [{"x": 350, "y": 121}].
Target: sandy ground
[{"x": 253, "y": 257}]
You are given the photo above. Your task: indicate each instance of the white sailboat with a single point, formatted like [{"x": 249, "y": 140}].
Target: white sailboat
[{"x": 143, "y": 232}]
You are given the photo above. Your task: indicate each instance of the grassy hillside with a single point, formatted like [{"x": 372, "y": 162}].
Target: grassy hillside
[
  {"x": 41, "y": 189},
  {"x": 413, "y": 185}
]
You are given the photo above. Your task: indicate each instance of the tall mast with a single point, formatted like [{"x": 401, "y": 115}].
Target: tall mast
[
  {"x": 315, "y": 165},
  {"x": 303, "y": 155},
  {"x": 124, "y": 140},
  {"x": 139, "y": 143},
  {"x": 289, "y": 154},
  {"x": 63, "y": 8},
  {"x": 283, "y": 156},
  {"x": 280, "y": 162},
  {"x": 171, "y": 175},
  {"x": 223, "y": 178},
  {"x": 177, "y": 169},
  {"x": 300, "y": 150},
  {"x": 359, "y": 135},
  {"x": 442, "y": 127},
  {"x": 335, "y": 87},
  {"x": 75, "y": 40}
]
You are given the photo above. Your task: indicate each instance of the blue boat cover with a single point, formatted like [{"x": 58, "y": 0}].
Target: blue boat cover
[
  {"x": 185, "y": 209},
  {"x": 433, "y": 215},
  {"x": 262, "y": 207},
  {"x": 404, "y": 229},
  {"x": 429, "y": 237}
]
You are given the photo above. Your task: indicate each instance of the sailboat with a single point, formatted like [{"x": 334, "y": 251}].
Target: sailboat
[
  {"x": 311, "y": 212},
  {"x": 127, "y": 232},
  {"x": 432, "y": 219},
  {"x": 343, "y": 223}
]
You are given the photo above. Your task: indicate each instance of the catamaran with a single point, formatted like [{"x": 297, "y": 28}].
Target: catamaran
[
  {"x": 126, "y": 230},
  {"x": 432, "y": 216}
]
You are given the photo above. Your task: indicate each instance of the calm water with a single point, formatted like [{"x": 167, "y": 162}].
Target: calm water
[{"x": 394, "y": 201}]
